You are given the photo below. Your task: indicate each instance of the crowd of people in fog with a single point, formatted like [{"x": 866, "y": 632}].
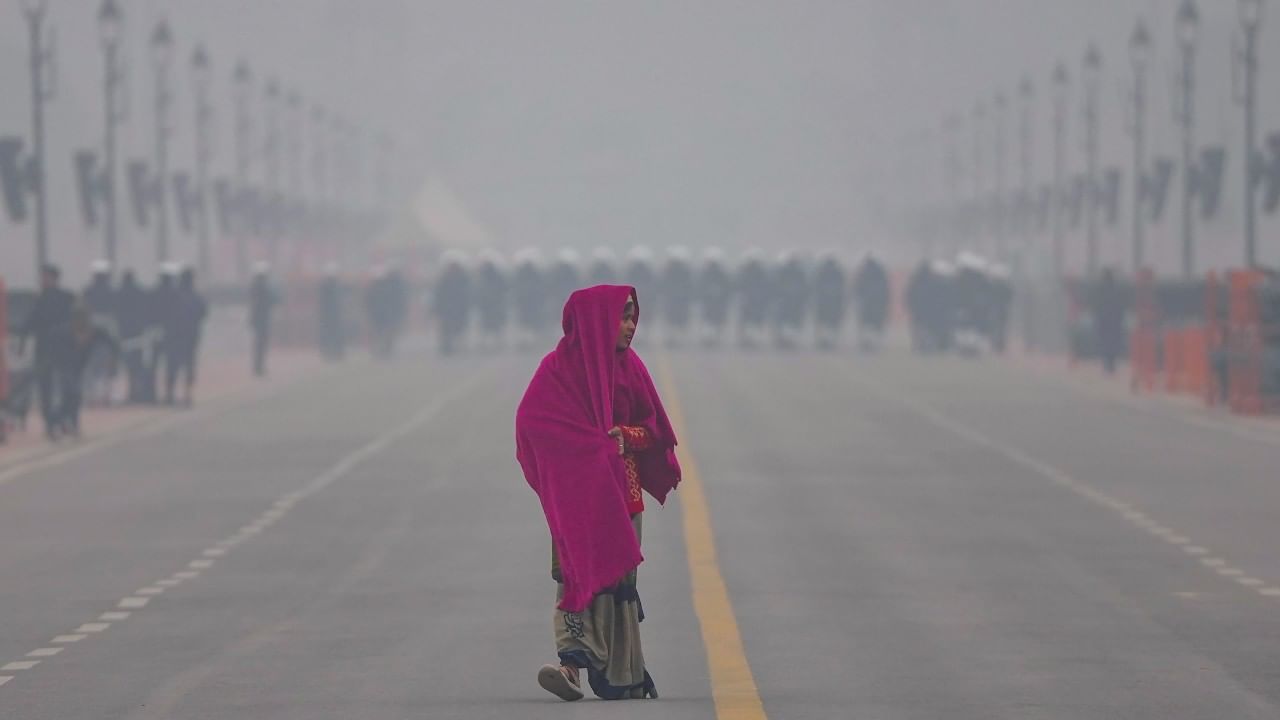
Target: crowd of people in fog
[
  {"x": 961, "y": 306},
  {"x": 119, "y": 341},
  {"x": 785, "y": 301}
]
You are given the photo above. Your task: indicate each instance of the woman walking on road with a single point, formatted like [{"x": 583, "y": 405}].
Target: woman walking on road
[{"x": 591, "y": 434}]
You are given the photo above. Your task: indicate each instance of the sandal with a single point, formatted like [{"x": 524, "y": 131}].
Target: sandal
[{"x": 557, "y": 681}]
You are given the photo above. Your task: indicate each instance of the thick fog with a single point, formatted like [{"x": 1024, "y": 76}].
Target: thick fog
[{"x": 736, "y": 124}]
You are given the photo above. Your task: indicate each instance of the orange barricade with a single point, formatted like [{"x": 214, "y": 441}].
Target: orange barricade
[
  {"x": 1244, "y": 344},
  {"x": 1214, "y": 339}
]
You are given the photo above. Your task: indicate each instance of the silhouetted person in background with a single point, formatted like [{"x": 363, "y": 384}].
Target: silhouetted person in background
[
  {"x": 492, "y": 298},
  {"x": 100, "y": 301},
  {"x": 871, "y": 293},
  {"x": 262, "y": 302},
  {"x": 89, "y": 341},
  {"x": 132, "y": 308},
  {"x": 49, "y": 322},
  {"x": 715, "y": 294},
  {"x": 452, "y": 305},
  {"x": 1108, "y": 319},
  {"x": 829, "y": 301},
  {"x": 330, "y": 331},
  {"x": 187, "y": 313}
]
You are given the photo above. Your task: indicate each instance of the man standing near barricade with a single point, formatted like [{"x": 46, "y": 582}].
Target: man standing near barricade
[
  {"x": 49, "y": 322},
  {"x": 100, "y": 303},
  {"x": 1108, "y": 319},
  {"x": 262, "y": 301},
  {"x": 182, "y": 337}
]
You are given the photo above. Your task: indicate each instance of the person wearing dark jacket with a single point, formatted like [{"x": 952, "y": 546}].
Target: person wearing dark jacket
[
  {"x": 185, "y": 319},
  {"x": 136, "y": 342},
  {"x": 100, "y": 302},
  {"x": 1108, "y": 319},
  {"x": 88, "y": 340},
  {"x": 49, "y": 323}
]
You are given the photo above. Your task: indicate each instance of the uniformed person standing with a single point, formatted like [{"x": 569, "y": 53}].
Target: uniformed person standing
[
  {"x": 49, "y": 322},
  {"x": 182, "y": 337}
]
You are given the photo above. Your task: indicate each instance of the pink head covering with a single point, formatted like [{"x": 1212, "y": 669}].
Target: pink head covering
[{"x": 569, "y": 460}]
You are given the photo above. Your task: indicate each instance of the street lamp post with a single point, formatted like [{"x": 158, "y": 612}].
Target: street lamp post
[
  {"x": 1060, "y": 89},
  {"x": 979, "y": 126},
  {"x": 110, "y": 20},
  {"x": 1089, "y": 78},
  {"x": 242, "y": 84},
  {"x": 1000, "y": 106},
  {"x": 162, "y": 59},
  {"x": 1247, "y": 56},
  {"x": 41, "y": 59},
  {"x": 1139, "y": 55},
  {"x": 271, "y": 158},
  {"x": 201, "y": 77},
  {"x": 1026, "y": 97},
  {"x": 1188, "y": 26}
]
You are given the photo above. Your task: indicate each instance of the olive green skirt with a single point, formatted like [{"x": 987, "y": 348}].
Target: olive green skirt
[{"x": 604, "y": 639}]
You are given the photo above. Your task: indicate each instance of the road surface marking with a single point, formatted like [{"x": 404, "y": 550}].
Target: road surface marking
[
  {"x": 5, "y": 678},
  {"x": 69, "y": 638},
  {"x": 732, "y": 684},
  {"x": 282, "y": 505},
  {"x": 1059, "y": 477},
  {"x": 168, "y": 583}
]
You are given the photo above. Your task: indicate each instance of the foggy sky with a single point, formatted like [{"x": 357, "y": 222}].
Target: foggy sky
[{"x": 659, "y": 122}]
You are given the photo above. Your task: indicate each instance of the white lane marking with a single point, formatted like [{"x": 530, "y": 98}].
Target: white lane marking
[
  {"x": 1230, "y": 571},
  {"x": 1060, "y": 477},
  {"x": 5, "y": 678},
  {"x": 280, "y": 507}
]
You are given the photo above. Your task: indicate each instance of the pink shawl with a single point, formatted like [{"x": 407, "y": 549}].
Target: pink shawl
[{"x": 567, "y": 456}]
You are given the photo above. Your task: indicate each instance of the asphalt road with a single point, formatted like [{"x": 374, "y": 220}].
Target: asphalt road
[{"x": 898, "y": 538}]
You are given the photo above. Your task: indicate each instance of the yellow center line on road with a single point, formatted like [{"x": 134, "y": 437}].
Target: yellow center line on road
[{"x": 732, "y": 685}]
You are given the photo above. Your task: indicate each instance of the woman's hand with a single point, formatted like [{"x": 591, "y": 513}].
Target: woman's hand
[{"x": 615, "y": 432}]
